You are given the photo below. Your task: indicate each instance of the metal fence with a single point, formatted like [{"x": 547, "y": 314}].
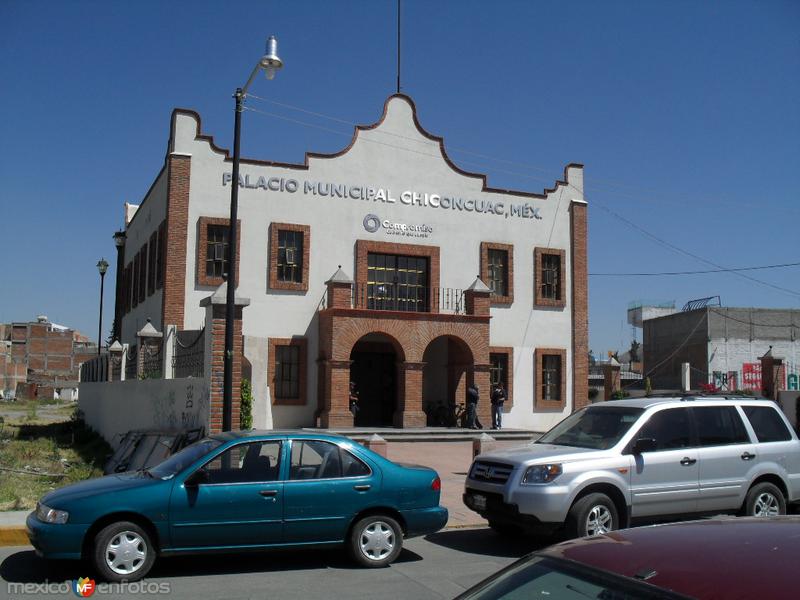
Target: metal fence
[
  {"x": 152, "y": 356},
  {"x": 189, "y": 356},
  {"x": 95, "y": 369},
  {"x": 131, "y": 362}
]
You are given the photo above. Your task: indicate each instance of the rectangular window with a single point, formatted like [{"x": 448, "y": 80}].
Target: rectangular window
[
  {"x": 551, "y": 276},
  {"x": 217, "y": 254},
  {"x": 499, "y": 369},
  {"x": 287, "y": 372},
  {"x": 549, "y": 266},
  {"x": 290, "y": 256},
  {"x": 498, "y": 271},
  {"x": 152, "y": 254},
  {"x": 767, "y": 424},
  {"x": 142, "y": 285},
  {"x": 135, "y": 288},
  {"x": 551, "y": 378},
  {"x": 161, "y": 256},
  {"x": 397, "y": 282}
]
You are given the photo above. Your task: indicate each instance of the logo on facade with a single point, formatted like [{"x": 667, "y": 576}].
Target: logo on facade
[{"x": 372, "y": 223}]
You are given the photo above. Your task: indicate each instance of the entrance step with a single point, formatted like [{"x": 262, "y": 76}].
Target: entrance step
[{"x": 429, "y": 434}]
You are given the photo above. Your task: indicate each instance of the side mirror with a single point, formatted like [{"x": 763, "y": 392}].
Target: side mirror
[
  {"x": 197, "y": 478},
  {"x": 644, "y": 445}
]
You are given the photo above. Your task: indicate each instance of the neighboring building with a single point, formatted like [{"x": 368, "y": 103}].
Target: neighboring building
[
  {"x": 398, "y": 232},
  {"x": 40, "y": 358},
  {"x": 722, "y": 345}
]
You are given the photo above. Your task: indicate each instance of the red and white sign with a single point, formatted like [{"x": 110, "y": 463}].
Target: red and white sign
[{"x": 751, "y": 376}]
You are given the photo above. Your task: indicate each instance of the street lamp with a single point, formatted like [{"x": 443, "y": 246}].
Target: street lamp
[
  {"x": 271, "y": 64},
  {"x": 119, "y": 242},
  {"x": 102, "y": 266}
]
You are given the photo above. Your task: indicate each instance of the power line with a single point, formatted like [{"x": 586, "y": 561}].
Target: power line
[{"x": 666, "y": 273}]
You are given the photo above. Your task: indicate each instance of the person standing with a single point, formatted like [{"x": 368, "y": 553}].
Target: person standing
[
  {"x": 497, "y": 398},
  {"x": 354, "y": 408},
  {"x": 472, "y": 405}
]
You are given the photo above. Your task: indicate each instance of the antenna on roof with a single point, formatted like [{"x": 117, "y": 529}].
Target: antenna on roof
[{"x": 398, "y": 46}]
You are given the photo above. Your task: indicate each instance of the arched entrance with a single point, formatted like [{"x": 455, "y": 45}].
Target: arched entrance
[
  {"x": 447, "y": 372},
  {"x": 374, "y": 371}
]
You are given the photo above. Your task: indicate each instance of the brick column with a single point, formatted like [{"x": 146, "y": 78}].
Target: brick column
[
  {"x": 149, "y": 341},
  {"x": 580, "y": 303},
  {"x": 476, "y": 299},
  {"x": 215, "y": 352},
  {"x": 409, "y": 411},
  {"x": 773, "y": 373},
  {"x": 482, "y": 378},
  {"x": 336, "y": 409},
  {"x": 340, "y": 290},
  {"x": 611, "y": 379}
]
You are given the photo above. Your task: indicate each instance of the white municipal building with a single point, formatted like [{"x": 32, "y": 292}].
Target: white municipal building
[{"x": 384, "y": 264}]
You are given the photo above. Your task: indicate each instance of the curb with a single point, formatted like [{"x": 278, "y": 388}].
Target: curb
[{"x": 14, "y": 535}]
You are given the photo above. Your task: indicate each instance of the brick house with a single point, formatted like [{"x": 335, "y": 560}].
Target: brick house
[{"x": 384, "y": 264}]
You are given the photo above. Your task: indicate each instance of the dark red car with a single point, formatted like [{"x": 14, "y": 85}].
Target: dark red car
[{"x": 723, "y": 558}]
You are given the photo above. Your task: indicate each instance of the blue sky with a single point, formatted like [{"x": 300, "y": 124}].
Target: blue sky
[{"x": 684, "y": 113}]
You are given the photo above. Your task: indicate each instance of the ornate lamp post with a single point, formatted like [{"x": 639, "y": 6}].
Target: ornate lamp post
[{"x": 102, "y": 267}]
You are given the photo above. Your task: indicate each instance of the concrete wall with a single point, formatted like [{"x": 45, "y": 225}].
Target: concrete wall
[
  {"x": 397, "y": 157},
  {"x": 114, "y": 408}
]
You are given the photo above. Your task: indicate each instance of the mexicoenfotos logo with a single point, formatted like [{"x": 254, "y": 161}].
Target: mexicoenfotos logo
[{"x": 83, "y": 587}]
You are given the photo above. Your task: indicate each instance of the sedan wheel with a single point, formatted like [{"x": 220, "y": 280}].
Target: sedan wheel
[
  {"x": 123, "y": 552},
  {"x": 376, "y": 541}
]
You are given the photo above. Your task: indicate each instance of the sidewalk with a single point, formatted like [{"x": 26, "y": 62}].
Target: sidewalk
[{"x": 450, "y": 459}]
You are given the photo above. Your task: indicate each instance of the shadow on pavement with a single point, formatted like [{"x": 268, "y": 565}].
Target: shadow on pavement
[
  {"x": 486, "y": 542},
  {"x": 26, "y": 567}
]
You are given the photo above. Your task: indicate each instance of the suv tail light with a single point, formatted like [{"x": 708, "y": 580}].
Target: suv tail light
[{"x": 436, "y": 484}]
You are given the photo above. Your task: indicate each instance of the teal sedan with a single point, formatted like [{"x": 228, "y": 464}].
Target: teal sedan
[{"x": 241, "y": 491}]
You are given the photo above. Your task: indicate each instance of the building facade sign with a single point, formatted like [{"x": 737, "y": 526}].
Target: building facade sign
[{"x": 385, "y": 195}]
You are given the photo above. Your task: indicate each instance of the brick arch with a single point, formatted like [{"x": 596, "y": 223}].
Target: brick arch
[
  {"x": 396, "y": 344},
  {"x": 475, "y": 337},
  {"x": 349, "y": 331}
]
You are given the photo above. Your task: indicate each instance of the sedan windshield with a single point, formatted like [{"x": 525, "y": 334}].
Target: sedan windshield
[
  {"x": 540, "y": 577},
  {"x": 596, "y": 427},
  {"x": 180, "y": 460}
]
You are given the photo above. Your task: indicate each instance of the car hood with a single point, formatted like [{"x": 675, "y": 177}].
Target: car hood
[
  {"x": 539, "y": 452},
  {"x": 95, "y": 487}
]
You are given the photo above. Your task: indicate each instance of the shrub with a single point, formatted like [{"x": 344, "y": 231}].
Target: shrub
[{"x": 246, "y": 405}]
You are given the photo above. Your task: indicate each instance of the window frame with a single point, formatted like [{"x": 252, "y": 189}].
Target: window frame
[
  {"x": 202, "y": 250},
  {"x": 690, "y": 421},
  {"x": 542, "y": 403},
  {"x": 302, "y": 344},
  {"x": 278, "y": 479},
  {"x": 272, "y": 259},
  {"x": 508, "y": 297},
  {"x": 340, "y": 449},
  {"x": 778, "y": 416},
  {"x": 540, "y": 300},
  {"x": 152, "y": 259},
  {"x": 727, "y": 408}
]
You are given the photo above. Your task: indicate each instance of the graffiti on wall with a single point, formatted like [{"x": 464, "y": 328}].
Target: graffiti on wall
[
  {"x": 751, "y": 376},
  {"x": 726, "y": 381}
]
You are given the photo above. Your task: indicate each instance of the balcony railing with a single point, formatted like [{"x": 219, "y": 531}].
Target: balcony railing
[{"x": 403, "y": 298}]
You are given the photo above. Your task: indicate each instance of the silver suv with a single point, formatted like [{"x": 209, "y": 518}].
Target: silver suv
[{"x": 609, "y": 464}]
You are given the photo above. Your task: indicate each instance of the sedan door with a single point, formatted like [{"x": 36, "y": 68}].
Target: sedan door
[
  {"x": 665, "y": 480},
  {"x": 234, "y": 500},
  {"x": 327, "y": 485}
]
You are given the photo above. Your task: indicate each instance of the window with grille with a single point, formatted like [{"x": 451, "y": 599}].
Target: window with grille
[
  {"x": 287, "y": 372},
  {"x": 161, "y": 256},
  {"x": 498, "y": 371},
  {"x": 397, "y": 282},
  {"x": 498, "y": 271},
  {"x": 152, "y": 258},
  {"x": 290, "y": 256},
  {"x": 551, "y": 377},
  {"x": 551, "y": 276},
  {"x": 217, "y": 251}
]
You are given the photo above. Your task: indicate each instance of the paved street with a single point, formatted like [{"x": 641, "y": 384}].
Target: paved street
[{"x": 441, "y": 565}]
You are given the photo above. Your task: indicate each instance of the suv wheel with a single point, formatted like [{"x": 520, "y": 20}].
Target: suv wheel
[
  {"x": 375, "y": 541},
  {"x": 123, "y": 552},
  {"x": 593, "y": 514},
  {"x": 765, "y": 500}
]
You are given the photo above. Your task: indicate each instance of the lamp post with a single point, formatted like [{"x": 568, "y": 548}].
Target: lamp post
[
  {"x": 119, "y": 242},
  {"x": 271, "y": 64},
  {"x": 102, "y": 266}
]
